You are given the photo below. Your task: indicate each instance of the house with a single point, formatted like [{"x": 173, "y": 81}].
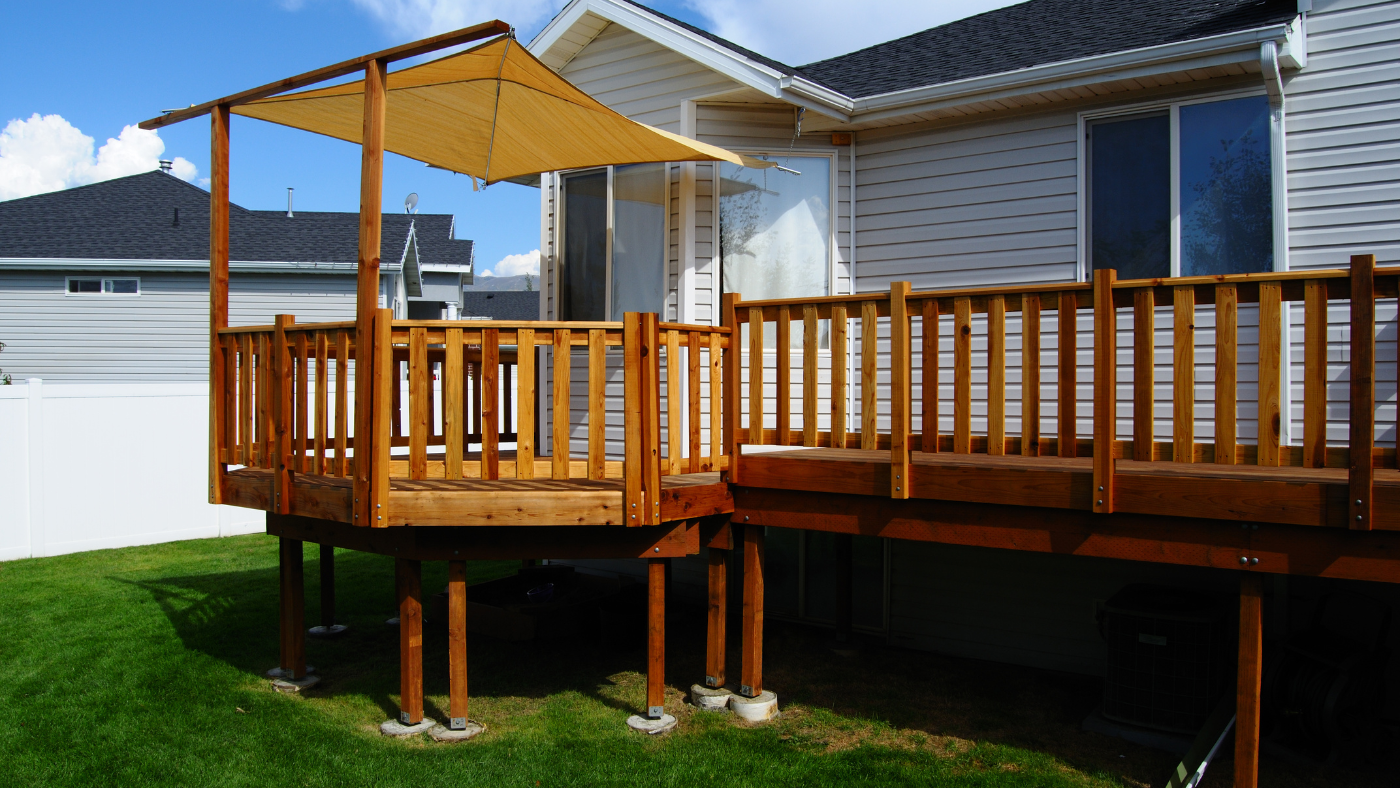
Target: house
[
  {"x": 104, "y": 309},
  {"x": 131, "y": 255},
  {"x": 1028, "y": 145},
  {"x": 500, "y": 305}
]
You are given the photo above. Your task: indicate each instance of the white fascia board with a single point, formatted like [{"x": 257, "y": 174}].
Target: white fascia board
[
  {"x": 447, "y": 268},
  {"x": 193, "y": 266},
  {"x": 707, "y": 53},
  {"x": 1067, "y": 73}
]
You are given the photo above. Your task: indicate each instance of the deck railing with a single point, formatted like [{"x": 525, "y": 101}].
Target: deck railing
[
  {"x": 1122, "y": 404},
  {"x": 287, "y": 401}
]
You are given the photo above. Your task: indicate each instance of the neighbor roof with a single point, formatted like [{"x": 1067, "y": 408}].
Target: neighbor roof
[
  {"x": 135, "y": 218},
  {"x": 501, "y": 304},
  {"x": 1036, "y": 33}
]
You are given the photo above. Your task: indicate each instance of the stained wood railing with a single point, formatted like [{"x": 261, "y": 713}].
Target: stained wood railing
[
  {"x": 288, "y": 403},
  {"x": 886, "y": 406}
]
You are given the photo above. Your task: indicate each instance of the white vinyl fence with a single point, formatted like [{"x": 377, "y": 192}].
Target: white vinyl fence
[{"x": 87, "y": 466}]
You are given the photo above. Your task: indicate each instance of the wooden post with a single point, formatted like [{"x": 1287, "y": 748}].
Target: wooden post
[
  {"x": 367, "y": 290},
  {"x": 1363, "y": 388},
  {"x": 715, "y": 641},
  {"x": 1184, "y": 373},
  {"x": 457, "y": 644},
  {"x": 218, "y": 299},
  {"x": 1105, "y": 387},
  {"x": 1144, "y": 345},
  {"x": 901, "y": 384},
  {"x": 410, "y": 586},
  {"x": 1226, "y": 369},
  {"x": 751, "y": 645},
  {"x": 962, "y": 375},
  {"x": 292, "y": 607},
  {"x": 929, "y": 330},
  {"x": 381, "y": 381},
  {"x": 327, "y": 587},
  {"x": 562, "y": 361},
  {"x": 1270, "y": 363},
  {"x": 656, "y": 638},
  {"x": 1249, "y": 684},
  {"x": 1068, "y": 417},
  {"x": 525, "y": 404},
  {"x": 845, "y": 585},
  {"x": 730, "y": 408},
  {"x": 633, "y": 447},
  {"x": 280, "y": 389},
  {"x": 651, "y": 417}
]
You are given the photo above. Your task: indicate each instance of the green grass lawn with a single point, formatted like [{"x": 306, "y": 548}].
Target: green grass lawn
[{"x": 143, "y": 666}]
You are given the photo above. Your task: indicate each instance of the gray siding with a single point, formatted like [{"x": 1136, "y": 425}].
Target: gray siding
[{"x": 160, "y": 335}]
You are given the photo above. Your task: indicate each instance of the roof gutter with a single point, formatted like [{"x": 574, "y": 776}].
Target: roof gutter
[{"x": 193, "y": 266}]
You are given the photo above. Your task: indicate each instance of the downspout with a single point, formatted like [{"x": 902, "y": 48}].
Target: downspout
[
  {"x": 1278, "y": 150},
  {"x": 850, "y": 357}
]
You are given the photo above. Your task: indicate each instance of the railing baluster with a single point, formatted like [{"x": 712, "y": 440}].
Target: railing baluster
[
  {"x": 962, "y": 375},
  {"x": 1030, "y": 375},
  {"x": 282, "y": 414},
  {"x": 692, "y": 358},
  {"x": 597, "y": 400},
  {"x": 1270, "y": 356},
  {"x": 559, "y": 440},
  {"x": 783, "y": 400},
  {"x": 377, "y": 444},
  {"x": 525, "y": 404},
  {"x": 342, "y": 403},
  {"x": 396, "y": 398},
  {"x": 490, "y": 415},
  {"x": 1068, "y": 372},
  {"x": 418, "y": 384},
  {"x": 673, "y": 402},
  {"x": 717, "y": 404},
  {"x": 477, "y": 429},
  {"x": 839, "y": 364},
  {"x": 265, "y": 388},
  {"x": 1315, "y": 373},
  {"x": 322, "y": 402},
  {"x": 1183, "y": 373},
  {"x": 732, "y": 361},
  {"x": 869, "y": 387},
  {"x": 452, "y": 427},
  {"x": 506, "y": 397},
  {"x": 929, "y": 330},
  {"x": 303, "y": 402},
  {"x": 996, "y": 375},
  {"x": 1226, "y": 358},
  {"x": 1361, "y": 475},
  {"x": 230, "y": 409},
  {"x": 755, "y": 376},
  {"x": 245, "y": 400},
  {"x": 810, "y": 375},
  {"x": 1144, "y": 369}
]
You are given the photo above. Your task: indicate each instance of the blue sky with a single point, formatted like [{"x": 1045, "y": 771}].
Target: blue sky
[{"x": 103, "y": 66}]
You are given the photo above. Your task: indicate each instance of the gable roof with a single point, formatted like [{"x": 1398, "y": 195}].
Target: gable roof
[
  {"x": 1036, "y": 33},
  {"x": 135, "y": 218}
]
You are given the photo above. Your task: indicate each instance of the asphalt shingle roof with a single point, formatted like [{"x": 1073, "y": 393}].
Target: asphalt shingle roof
[
  {"x": 134, "y": 218},
  {"x": 501, "y": 304}
]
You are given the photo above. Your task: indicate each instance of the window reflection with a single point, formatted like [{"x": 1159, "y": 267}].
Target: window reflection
[
  {"x": 775, "y": 230},
  {"x": 1226, "y": 191}
]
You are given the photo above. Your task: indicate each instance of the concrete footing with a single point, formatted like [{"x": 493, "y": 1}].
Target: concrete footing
[
  {"x": 444, "y": 733},
  {"x": 295, "y": 685},
  {"x": 710, "y": 699},
  {"x": 396, "y": 728},
  {"x": 651, "y": 727},
  {"x": 278, "y": 673},
  {"x": 758, "y": 709},
  {"x": 327, "y": 632}
]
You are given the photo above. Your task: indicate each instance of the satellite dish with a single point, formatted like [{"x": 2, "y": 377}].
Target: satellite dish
[{"x": 410, "y": 202}]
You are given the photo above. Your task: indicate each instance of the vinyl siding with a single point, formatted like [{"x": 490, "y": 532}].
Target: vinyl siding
[{"x": 160, "y": 335}]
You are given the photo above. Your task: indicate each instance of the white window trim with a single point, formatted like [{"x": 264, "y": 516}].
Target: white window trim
[
  {"x": 1278, "y": 162},
  {"x": 102, "y": 293},
  {"x": 559, "y": 228}
]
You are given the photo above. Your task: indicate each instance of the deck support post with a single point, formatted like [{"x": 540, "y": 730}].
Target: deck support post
[
  {"x": 1250, "y": 681},
  {"x": 219, "y": 418},
  {"x": 715, "y": 640},
  {"x": 656, "y": 638},
  {"x": 327, "y": 627},
  {"x": 751, "y": 666},
  {"x": 291, "y": 608},
  {"x": 410, "y": 586},
  {"x": 367, "y": 492},
  {"x": 845, "y": 585},
  {"x": 457, "y": 645}
]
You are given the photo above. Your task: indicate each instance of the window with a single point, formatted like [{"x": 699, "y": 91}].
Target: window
[
  {"x": 614, "y": 244},
  {"x": 81, "y": 285},
  {"x": 1184, "y": 191},
  {"x": 775, "y": 229}
]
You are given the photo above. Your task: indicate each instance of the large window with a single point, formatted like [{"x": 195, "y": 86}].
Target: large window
[
  {"x": 1183, "y": 191},
  {"x": 614, "y": 244},
  {"x": 775, "y": 229}
]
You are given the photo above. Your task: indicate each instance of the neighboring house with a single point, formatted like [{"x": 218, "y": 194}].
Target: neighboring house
[
  {"x": 1028, "y": 144},
  {"x": 500, "y": 305},
  {"x": 109, "y": 282},
  {"x": 104, "y": 297}
]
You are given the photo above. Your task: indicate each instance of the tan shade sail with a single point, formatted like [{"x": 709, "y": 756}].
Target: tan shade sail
[{"x": 443, "y": 113}]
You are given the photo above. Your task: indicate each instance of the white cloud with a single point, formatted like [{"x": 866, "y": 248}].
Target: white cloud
[
  {"x": 798, "y": 32},
  {"x": 420, "y": 18},
  {"x": 47, "y": 153},
  {"x": 516, "y": 264}
]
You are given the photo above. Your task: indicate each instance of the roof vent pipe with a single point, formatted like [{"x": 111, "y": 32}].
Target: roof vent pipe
[
  {"x": 289, "y": 201},
  {"x": 165, "y": 165}
]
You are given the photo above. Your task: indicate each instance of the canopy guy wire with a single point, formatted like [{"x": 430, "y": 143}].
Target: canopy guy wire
[{"x": 496, "y": 109}]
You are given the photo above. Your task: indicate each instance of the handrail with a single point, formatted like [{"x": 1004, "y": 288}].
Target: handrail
[{"x": 886, "y": 421}]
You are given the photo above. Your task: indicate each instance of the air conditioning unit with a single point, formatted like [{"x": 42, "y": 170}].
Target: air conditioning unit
[{"x": 1169, "y": 655}]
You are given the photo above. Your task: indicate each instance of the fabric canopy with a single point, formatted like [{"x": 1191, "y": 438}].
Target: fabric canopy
[{"x": 447, "y": 113}]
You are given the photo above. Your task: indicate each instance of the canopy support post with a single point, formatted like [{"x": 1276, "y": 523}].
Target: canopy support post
[
  {"x": 369, "y": 510},
  {"x": 218, "y": 297}
]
